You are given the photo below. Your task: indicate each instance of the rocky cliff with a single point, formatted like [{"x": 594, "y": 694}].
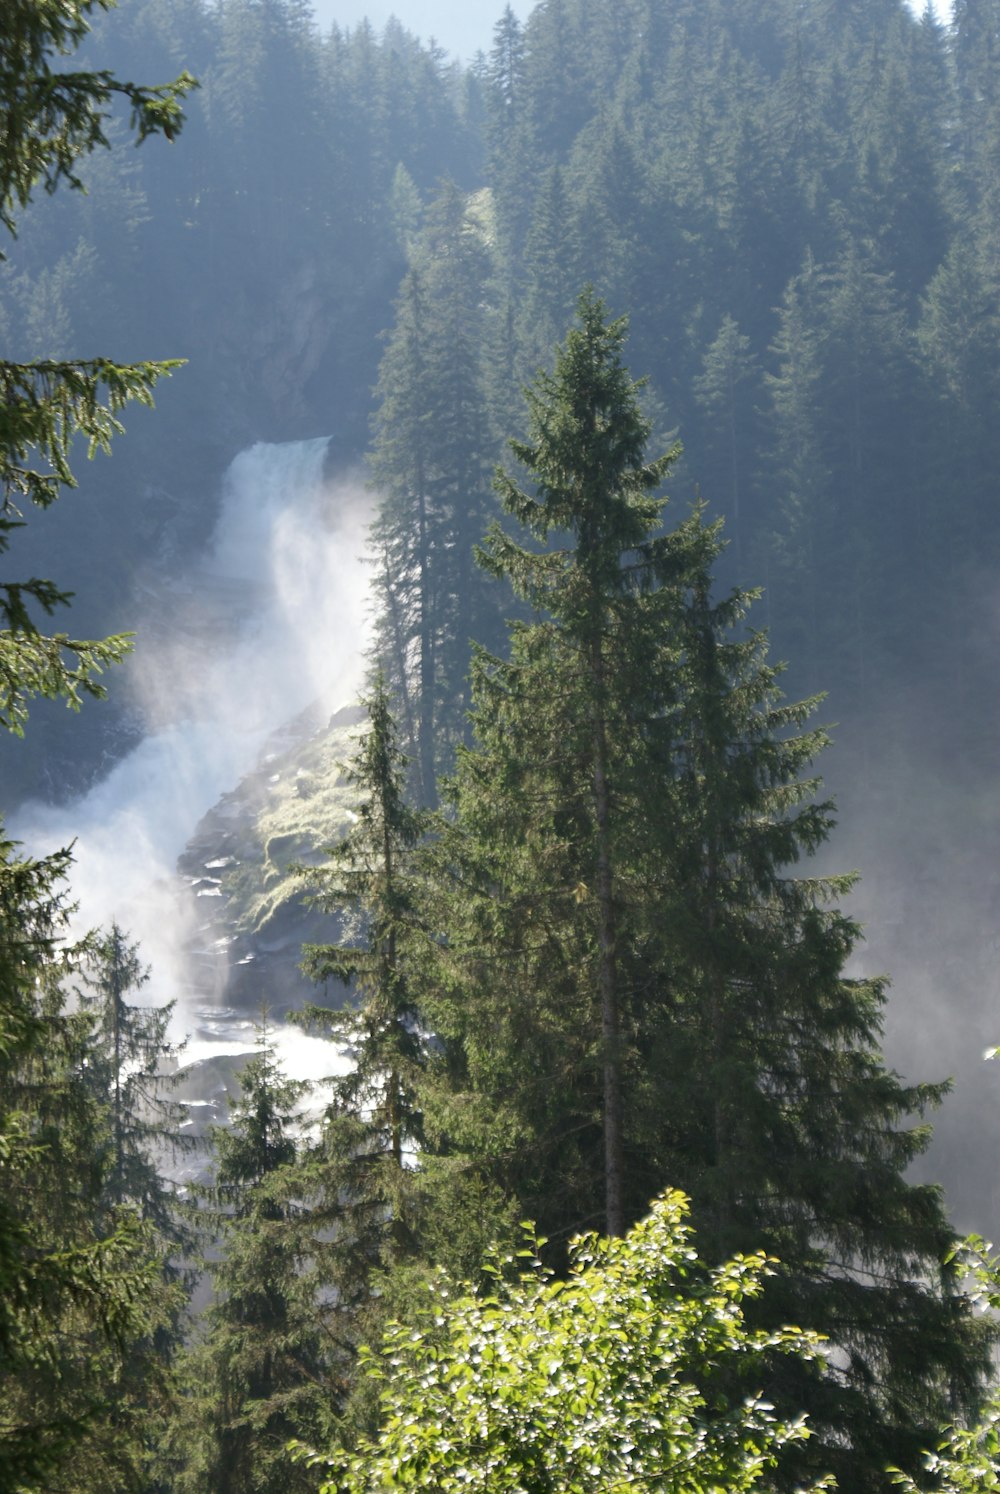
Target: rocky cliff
[{"x": 243, "y": 867}]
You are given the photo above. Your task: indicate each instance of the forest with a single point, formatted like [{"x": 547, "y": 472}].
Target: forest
[{"x": 663, "y": 338}]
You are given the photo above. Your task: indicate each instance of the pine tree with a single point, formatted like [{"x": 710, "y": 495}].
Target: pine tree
[
  {"x": 799, "y": 475},
  {"x": 264, "y": 94},
  {"x": 129, "y": 1061},
  {"x": 49, "y": 120},
  {"x": 79, "y": 1282},
  {"x": 550, "y": 796},
  {"x": 259, "y": 1377},
  {"x": 363, "y": 1168},
  {"x": 83, "y": 1384},
  {"x": 728, "y": 391},
  {"x": 785, "y": 1124},
  {"x": 430, "y": 466},
  {"x": 551, "y": 271},
  {"x": 368, "y": 880},
  {"x": 636, "y": 984},
  {"x": 976, "y": 50}
]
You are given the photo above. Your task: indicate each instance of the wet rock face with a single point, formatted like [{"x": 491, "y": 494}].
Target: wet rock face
[
  {"x": 241, "y": 868},
  {"x": 203, "y": 1089}
]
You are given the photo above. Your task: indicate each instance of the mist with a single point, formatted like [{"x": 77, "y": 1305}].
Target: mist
[
  {"x": 271, "y": 621},
  {"x": 463, "y": 29},
  {"x": 918, "y": 821}
]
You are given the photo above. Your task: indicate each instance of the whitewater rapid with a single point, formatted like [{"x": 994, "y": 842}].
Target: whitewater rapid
[{"x": 269, "y": 622}]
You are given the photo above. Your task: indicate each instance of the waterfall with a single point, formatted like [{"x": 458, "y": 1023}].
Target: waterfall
[{"x": 270, "y": 621}]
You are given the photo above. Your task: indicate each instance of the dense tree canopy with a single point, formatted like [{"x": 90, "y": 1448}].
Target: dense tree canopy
[
  {"x": 83, "y": 1287},
  {"x": 636, "y": 982},
  {"x": 602, "y": 969}
]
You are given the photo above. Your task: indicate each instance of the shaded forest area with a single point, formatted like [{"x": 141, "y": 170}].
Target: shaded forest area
[
  {"x": 588, "y": 960},
  {"x": 794, "y": 204}
]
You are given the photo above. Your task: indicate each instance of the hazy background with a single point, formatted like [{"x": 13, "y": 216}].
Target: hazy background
[
  {"x": 277, "y": 239},
  {"x": 462, "y": 27}
]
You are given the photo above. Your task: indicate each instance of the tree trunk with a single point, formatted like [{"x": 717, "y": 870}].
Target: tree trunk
[{"x": 614, "y": 1158}]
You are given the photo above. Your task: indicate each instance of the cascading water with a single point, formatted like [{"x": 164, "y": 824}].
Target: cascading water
[{"x": 271, "y": 621}]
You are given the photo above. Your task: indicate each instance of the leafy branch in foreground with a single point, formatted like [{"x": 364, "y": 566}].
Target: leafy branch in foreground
[
  {"x": 605, "y": 1380},
  {"x": 967, "y": 1460}
]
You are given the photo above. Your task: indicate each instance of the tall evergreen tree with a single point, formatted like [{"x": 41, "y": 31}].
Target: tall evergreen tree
[
  {"x": 430, "y": 465},
  {"x": 258, "y": 1378},
  {"x": 362, "y": 1168},
  {"x": 799, "y": 475},
  {"x": 638, "y": 986},
  {"x": 551, "y": 270},
  {"x": 129, "y": 1062},
  {"x": 79, "y": 1283},
  {"x": 554, "y": 728},
  {"x": 50, "y": 119},
  {"x": 799, "y": 1135},
  {"x": 728, "y": 392},
  {"x": 85, "y": 1308}
]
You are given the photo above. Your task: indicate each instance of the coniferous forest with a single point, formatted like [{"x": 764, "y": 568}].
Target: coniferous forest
[{"x": 664, "y": 338}]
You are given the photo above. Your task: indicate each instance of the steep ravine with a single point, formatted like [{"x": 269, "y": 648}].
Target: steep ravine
[
  {"x": 246, "y": 904},
  {"x": 241, "y": 868}
]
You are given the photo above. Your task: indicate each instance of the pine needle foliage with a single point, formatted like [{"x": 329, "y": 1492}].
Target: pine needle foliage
[
  {"x": 50, "y": 118},
  {"x": 637, "y": 983},
  {"x": 258, "y": 1376},
  {"x": 83, "y": 1299},
  {"x": 362, "y": 1170}
]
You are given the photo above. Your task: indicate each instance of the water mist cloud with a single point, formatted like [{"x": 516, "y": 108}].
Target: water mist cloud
[
  {"x": 272, "y": 620},
  {"x": 922, "y": 822}
]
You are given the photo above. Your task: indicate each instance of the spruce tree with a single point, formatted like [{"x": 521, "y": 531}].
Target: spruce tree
[
  {"x": 430, "y": 464},
  {"x": 636, "y": 985},
  {"x": 548, "y": 804},
  {"x": 50, "y": 118},
  {"x": 362, "y": 1168},
  {"x": 258, "y": 1378},
  {"x": 784, "y": 1123},
  {"x": 728, "y": 392},
  {"x": 79, "y": 1281},
  {"x": 129, "y": 1062},
  {"x": 85, "y": 1305}
]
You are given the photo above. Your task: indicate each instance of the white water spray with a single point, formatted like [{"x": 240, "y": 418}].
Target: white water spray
[{"x": 271, "y": 621}]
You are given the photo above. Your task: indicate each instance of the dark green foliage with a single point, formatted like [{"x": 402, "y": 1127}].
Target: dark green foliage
[
  {"x": 798, "y": 204},
  {"x": 541, "y": 798},
  {"x": 729, "y": 392},
  {"x": 790, "y": 1129},
  {"x": 688, "y": 160},
  {"x": 49, "y": 119},
  {"x": 685, "y": 157},
  {"x": 289, "y": 152},
  {"x": 368, "y": 882},
  {"x": 430, "y": 464},
  {"x": 362, "y": 1170},
  {"x": 636, "y": 984},
  {"x": 258, "y": 1378},
  {"x": 83, "y": 1385},
  {"x": 129, "y": 1065},
  {"x": 52, "y": 116},
  {"x": 82, "y": 1382}
]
